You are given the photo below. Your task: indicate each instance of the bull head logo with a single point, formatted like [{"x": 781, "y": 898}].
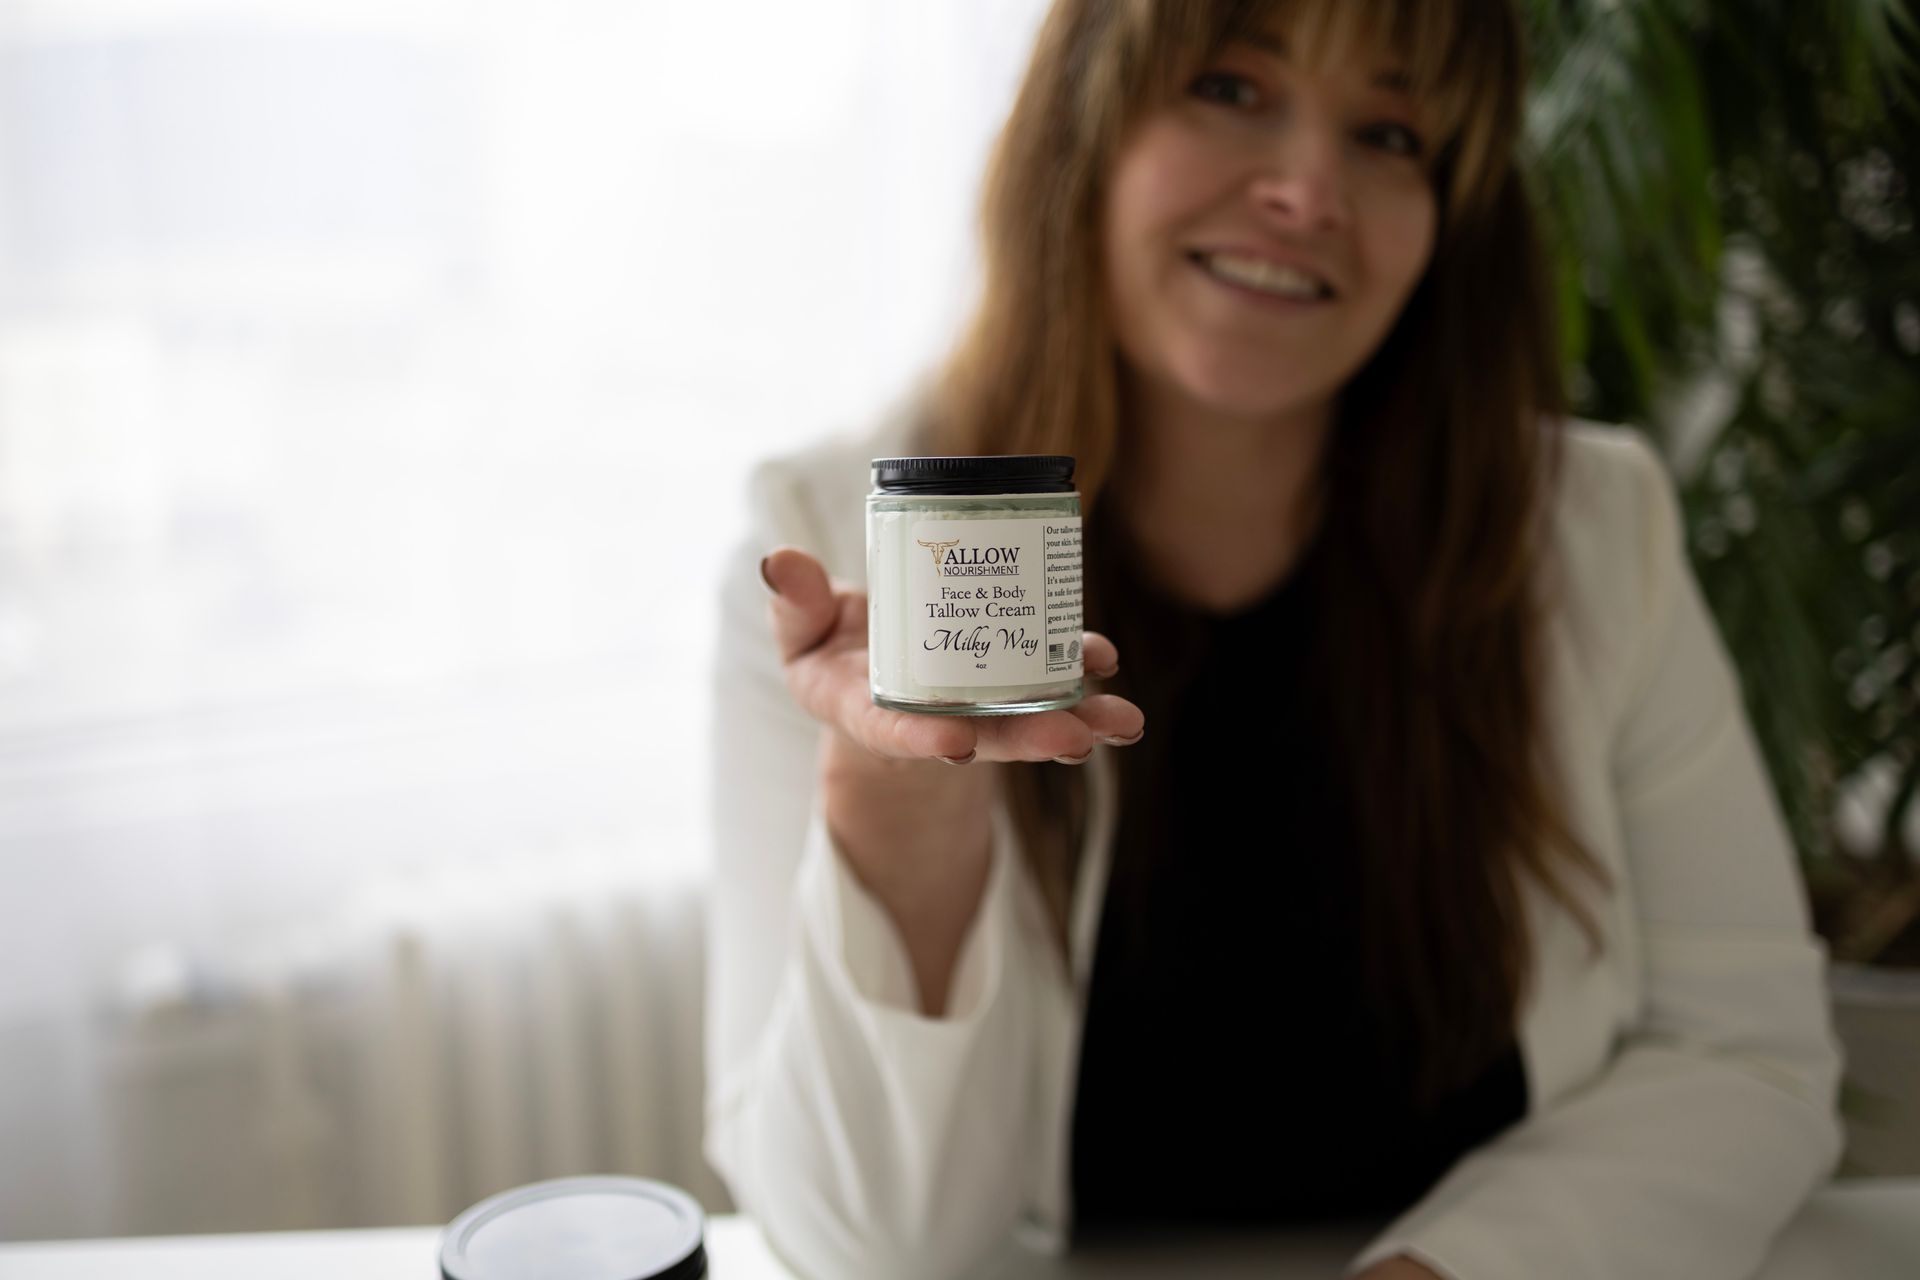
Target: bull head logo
[{"x": 937, "y": 548}]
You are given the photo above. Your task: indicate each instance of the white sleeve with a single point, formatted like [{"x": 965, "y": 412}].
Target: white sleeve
[
  {"x": 865, "y": 1138},
  {"x": 1717, "y": 1116}
]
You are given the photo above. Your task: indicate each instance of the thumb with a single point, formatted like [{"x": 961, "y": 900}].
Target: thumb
[{"x": 801, "y": 604}]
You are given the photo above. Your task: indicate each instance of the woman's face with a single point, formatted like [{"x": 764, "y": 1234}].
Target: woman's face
[{"x": 1261, "y": 159}]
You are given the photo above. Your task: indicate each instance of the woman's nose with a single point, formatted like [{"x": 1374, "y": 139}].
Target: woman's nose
[{"x": 1300, "y": 181}]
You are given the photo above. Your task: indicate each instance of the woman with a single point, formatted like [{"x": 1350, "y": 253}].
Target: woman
[{"x": 1446, "y": 886}]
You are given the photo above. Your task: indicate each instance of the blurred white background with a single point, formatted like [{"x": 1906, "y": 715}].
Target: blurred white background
[{"x": 377, "y": 384}]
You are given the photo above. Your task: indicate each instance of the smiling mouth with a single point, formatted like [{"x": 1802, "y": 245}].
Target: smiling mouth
[{"x": 1278, "y": 284}]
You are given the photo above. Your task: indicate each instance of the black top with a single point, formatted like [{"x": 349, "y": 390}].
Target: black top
[{"x": 1227, "y": 1069}]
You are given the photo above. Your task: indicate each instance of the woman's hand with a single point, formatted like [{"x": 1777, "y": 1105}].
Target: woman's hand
[
  {"x": 914, "y": 835},
  {"x": 1398, "y": 1267},
  {"x": 822, "y": 634}
]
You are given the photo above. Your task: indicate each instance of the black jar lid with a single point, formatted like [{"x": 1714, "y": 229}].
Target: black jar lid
[
  {"x": 983, "y": 474},
  {"x": 588, "y": 1228}
]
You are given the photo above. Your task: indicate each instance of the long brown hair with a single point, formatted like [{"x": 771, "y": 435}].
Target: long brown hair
[{"x": 1435, "y": 477}]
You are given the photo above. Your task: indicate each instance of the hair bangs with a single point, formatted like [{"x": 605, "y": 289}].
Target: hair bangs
[
  {"x": 1462, "y": 62},
  {"x": 1464, "y": 68}
]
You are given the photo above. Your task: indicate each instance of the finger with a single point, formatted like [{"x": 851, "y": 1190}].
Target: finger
[
  {"x": 1098, "y": 655},
  {"x": 904, "y": 735},
  {"x": 1112, "y": 719},
  {"x": 801, "y": 602},
  {"x": 1069, "y": 733}
]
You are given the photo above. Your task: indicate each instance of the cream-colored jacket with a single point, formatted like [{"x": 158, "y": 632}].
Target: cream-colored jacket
[{"x": 1683, "y": 1087}]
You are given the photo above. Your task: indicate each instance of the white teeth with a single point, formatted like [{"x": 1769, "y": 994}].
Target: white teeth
[{"x": 1266, "y": 276}]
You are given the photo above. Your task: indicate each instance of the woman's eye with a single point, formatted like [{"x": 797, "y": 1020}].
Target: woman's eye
[
  {"x": 1233, "y": 90},
  {"x": 1409, "y": 142},
  {"x": 1229, "y": 85}
]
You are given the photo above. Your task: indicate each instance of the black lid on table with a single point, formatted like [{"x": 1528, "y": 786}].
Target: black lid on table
[{"x": 586, "y": 1228}]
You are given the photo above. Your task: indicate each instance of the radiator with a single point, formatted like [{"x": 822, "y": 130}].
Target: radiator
[{"x": 442, "y": 1040}]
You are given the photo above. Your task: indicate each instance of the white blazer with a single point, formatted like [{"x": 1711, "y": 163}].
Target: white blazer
[{"x": 1682, "y": 1088}]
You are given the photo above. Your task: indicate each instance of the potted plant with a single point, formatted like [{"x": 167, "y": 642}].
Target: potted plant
[{"x": 1731, "y": 198}]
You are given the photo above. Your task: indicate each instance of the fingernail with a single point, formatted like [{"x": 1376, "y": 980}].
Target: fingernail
[
  {"x": 965, "y": 759},
  {"x": 1080, "y": 759},
  {"x": 1108, "y": 674},
  {"x": 763, "y": 574},
  {"x": 1112, "y": 741}
]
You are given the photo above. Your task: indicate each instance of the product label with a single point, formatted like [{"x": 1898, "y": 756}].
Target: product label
[{"x": 994, "y": 602}]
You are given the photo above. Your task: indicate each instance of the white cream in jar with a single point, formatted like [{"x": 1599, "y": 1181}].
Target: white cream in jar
[{"x": 973, "y": 584}]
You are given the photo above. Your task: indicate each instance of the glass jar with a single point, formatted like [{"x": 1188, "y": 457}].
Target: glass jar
[{"x": 973, "y": 584}]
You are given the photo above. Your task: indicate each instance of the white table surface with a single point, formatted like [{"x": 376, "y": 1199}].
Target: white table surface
[{"x": 1866, "y": 1229}]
